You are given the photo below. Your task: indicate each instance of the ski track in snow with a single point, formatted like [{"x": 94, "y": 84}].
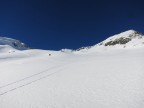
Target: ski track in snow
[
  {"x": 30, "y": 79},
  {"x": 28, "y": 83}
]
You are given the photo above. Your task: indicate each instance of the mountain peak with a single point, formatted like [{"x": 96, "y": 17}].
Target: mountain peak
[
  {"x": 130, "y": 37},
  {"x": 16, "y": 44},
  {"x": 127, "y": 39},
  {"x": 129, "y": 32}
]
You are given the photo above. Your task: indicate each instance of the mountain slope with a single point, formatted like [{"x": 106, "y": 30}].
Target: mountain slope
[
  {"x": 66, "y": 79},
  {"x": 127, "y": 39},
  {"x": 12, "y": 44}
]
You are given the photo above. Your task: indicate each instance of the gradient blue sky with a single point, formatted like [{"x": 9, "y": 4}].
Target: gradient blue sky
[{"x": 57, "y": 24}]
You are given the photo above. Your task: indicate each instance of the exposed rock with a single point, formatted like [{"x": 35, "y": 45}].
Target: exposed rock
[{"x": 121, "y": 40}]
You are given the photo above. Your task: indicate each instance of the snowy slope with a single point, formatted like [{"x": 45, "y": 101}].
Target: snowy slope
[{"x": 111, "y": 78}]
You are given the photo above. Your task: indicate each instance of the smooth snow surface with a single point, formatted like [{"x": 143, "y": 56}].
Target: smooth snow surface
[{"x": 98, "y": 78}]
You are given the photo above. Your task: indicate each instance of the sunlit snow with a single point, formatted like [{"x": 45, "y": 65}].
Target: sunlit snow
[{"x": 96, "y": 77}]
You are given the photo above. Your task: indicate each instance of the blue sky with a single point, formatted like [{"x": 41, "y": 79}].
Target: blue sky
[{"x": 57, "y": 24}]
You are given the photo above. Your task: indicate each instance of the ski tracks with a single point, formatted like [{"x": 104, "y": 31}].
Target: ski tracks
[{"x": 30, "y": 79}]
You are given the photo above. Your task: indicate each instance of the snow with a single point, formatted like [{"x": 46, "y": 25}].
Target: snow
[
  {"x": 135, "y": 38},
  {"x": 13, "y": 43},
  {"x": 102, "y": 77}
]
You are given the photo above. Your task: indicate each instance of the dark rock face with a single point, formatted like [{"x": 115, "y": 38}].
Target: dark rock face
[
  {"x": 121, "y": 40},
  {"x": 83, "y": 48},
  {"x": 15, "y": 44}
]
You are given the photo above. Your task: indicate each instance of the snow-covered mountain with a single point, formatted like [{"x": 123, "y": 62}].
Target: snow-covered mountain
[
  {"x": 12, "y": 44},
  {"x": 127, "y": 39},
  {"x": 110, "y": 75}
]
